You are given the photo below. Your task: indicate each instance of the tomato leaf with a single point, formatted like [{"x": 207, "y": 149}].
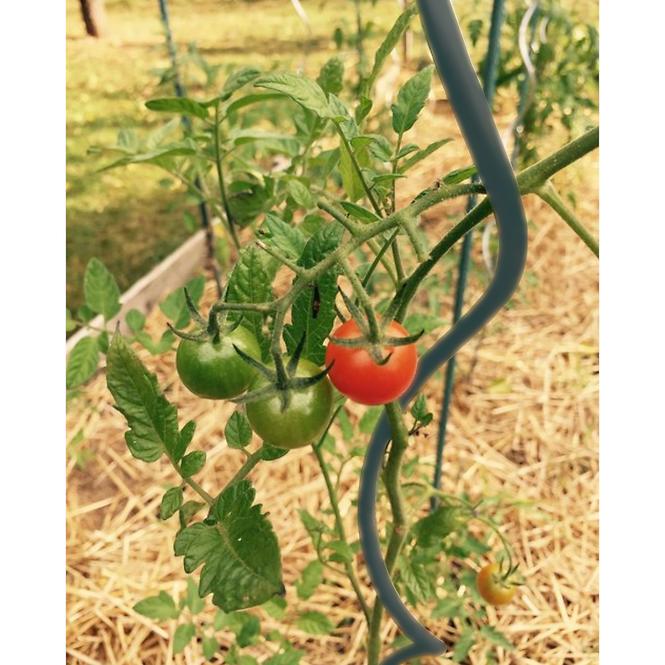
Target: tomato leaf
[
  {"x": 183, "y": 636},
  {"x": 275, "y": 607},
  {"x": 313, "y": 312},
  {"x": 238, "y": 431},
  {"x": 192, "y": 599},
  {"x": 152, "y": 420},
  {"x": 288, "y": 239},
  {"x": 102, "y": 294},
  {"x": 433, "y": 528},
  {"x": 239, "y": 552},
  {"x": 422, "y": 154},
  {"x": 158, "y": 607},
  {"x": 391, "y": 40},
  {"x": 448, "y": 608},
  {"x": 466, "y": 640},
  {"x": 460, "y": 175},
  {"x": 314, "y": 623},
  {"x": 411, "y": 99},
  {"x": 209, "y": 646},
  {"x": 174, "y": 306},
  {"x": 135, "y": 320},
  {"x": 82, "y": 362},
  {"x": 331, "y": 76},
  {"x": 192, "y": 463},
  {"x": 310, "y": 578},
  {"x": 302, "y": 90},
  {"x": 496, "y": 637},
  {"x": 181, "y": 105},
  {"x": 251, "y": 281},
  {"x": 171, "y": 503},
  {"x": 237, "y": 80}
]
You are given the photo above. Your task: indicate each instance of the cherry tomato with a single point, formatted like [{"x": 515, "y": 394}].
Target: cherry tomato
[
  {"x": 214, "y": 370},
  {"x": 303, "y": 421},
  {"x": 492, "y": 588},
  {"x": 356, "y": 375}
]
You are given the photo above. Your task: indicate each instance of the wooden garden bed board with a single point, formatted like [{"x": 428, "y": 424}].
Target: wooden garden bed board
[{"x": 174, "y": 271}]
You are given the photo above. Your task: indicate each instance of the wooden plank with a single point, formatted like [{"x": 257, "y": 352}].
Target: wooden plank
[{"x": 174, "y": 271}]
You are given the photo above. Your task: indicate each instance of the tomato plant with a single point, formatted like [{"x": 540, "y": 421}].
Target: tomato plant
[
  {"x": 271, "y": 346},
  {"x": 366, "y": 380}
]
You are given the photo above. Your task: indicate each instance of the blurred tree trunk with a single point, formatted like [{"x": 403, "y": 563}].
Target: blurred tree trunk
[{"x": 94, "y": 17}]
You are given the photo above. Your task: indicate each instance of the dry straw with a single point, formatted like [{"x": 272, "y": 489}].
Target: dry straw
[{"x": 523, "y": 426}]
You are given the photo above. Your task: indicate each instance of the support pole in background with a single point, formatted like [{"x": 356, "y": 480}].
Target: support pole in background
[
  {"x": 180, "y": 92},
  {"x": 489, "y": 87}
]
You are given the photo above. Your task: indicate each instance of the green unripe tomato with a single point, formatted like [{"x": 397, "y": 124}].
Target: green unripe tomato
[
  {"x": 304, "y": 419},
  {"x": 214, "y": 370}
]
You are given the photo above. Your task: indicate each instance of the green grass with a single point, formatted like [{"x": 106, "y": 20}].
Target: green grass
[{"x": 124, "y": 216}]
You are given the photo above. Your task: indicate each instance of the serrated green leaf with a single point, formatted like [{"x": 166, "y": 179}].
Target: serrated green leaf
[
  {"x": 70, "y": 323},
  {"x": 239, "y": 553},
  {"x": 135, "y": 320},
  {"x": 314, "y": 527},
  {"x": 299, "y": 193},
  {"x": 171, "y": 502},
  {"x": 417, "y": 581},
  {"x": 345, "y": 425},
  {"x": 466, "y": 640},
  {"x": 314, "y": 623},
  {"x": 391, "y": 40},
  {"x": 331, "y": 76},
  {"x": 183, "y": 636},
  {"x": 275, "y": 607},
  {"x": 192, "y": 599},
  {"x": 302, "y": 90},
  {"x": 310, "y": 579},
  {"x": 368, "y": 419},
  {"x": 460, "y": 175},
  {"x": 103, "y": 341},
  {"x": 152, "y": 420},
  {"x": 496, "y": 637},
  {"x": 288, "y": 239},
  {"x": 192, "y": 463},
  {"x": 189, "y": 509},
  {"x": 82, "y": 362},
  {"x": 313, "y": 312},
  {"x": 238, "y": 432},
  {"x": 249, "y": 631},
  {"x": 422, "y": 154},
  {"x": 270, "y": 453},
  {"x": 159, "y": 607},
  {"x": 436, "y": 526},
  {"x": 180, "y": 105},
  {"x": 411, "y": 99},
  {"x": 101, "y": 291},
  {"x": 237, "y": 80},
  {"x": 342, "y": 552},
  {"x": 289, "y": 657},
  {"x": 209, "y": 647},
  {"x": 184, "y": 439},
  {"x": 360, "y": 213},
  {"x": 251, "y": 281},
  {"x": 448, "y": 608},
  {"x": 174, "y": 306}
]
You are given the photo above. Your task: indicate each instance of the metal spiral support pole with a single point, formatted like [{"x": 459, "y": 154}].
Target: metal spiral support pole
[{"x": 475, "y": 119}]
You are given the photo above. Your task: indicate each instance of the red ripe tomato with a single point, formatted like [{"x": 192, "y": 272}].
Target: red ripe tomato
[{"x": 355, "y": 374}]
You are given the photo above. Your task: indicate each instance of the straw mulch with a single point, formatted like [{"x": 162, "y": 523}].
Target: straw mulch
[{"x": 523, "y": 426}]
